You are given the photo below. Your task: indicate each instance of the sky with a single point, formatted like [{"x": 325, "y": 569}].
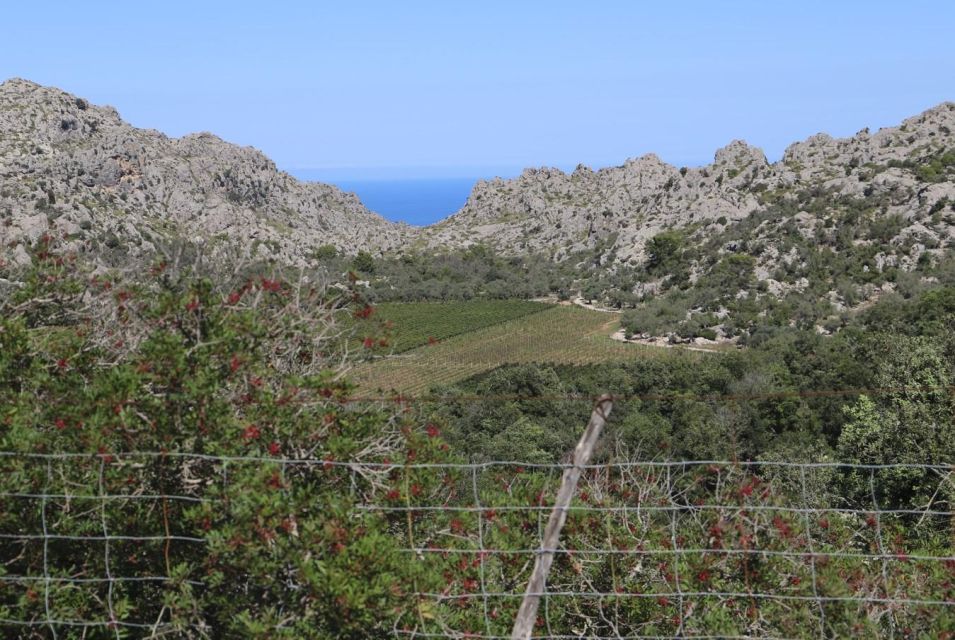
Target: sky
[{"x": 430, "y": 89}]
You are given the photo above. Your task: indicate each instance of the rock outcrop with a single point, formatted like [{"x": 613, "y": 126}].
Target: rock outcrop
[
  {"x": 74, "y": 169},
  {"x": 551, "y": 211}
]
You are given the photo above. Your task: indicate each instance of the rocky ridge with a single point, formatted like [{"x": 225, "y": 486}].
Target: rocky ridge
[
  {"x": 78, "y": 170},
  {"x": 559, "y": 213}
]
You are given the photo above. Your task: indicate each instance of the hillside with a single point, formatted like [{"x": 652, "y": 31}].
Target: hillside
[
  {"x": 549, "y": 210},
  {"x": 831, "y": 227},
  {"x": 110, "y": 186}
]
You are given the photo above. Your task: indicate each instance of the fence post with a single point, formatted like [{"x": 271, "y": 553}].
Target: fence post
[{"x": 527, "y": 614}]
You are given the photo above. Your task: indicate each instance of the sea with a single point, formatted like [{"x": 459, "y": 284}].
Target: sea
[{"x": 417, "y": 201}]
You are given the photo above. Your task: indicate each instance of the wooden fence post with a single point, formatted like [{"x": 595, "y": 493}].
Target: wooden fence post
[{"x": 527, "y": 614}]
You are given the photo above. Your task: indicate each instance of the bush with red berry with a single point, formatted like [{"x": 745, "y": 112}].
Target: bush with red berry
[{"x": 174, "y": 452}]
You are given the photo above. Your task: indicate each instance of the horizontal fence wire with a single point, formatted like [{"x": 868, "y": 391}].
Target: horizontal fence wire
[
  {"x": 519, "y": 465},
  {"x": 651, "y": 549},
  {"x": 419, "y": 398}
]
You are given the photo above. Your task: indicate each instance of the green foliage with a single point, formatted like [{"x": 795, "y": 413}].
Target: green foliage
[
  {"x": 325, "y": 252},
  {"x": 541, "y": 430},
  {"x": 103, "y": 369},
  {"x": 912, "y": 421},
  {"x": 656, "y": 316},
  {"x": 664, "y": 251},
  {"x": 475, "y": 272},
  {"x": 731, "y": 274},
  {"x": 363, "y": 262},
  {"x": 236, "y": 392}
]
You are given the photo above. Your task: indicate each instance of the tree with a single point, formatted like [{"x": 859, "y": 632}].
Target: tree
[
  {"x": 364, "y": 262},
  {"x": 591, "y": 292},
  {"x": 530, "y": 420},
  {"x": 911, "y": 422},
  {"x": 664, "y": 251}
]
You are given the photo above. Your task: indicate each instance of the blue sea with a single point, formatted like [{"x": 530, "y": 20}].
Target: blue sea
[{"x": 417, "y": 201}]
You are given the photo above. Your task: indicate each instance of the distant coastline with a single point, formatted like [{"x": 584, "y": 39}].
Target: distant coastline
[{"x": 417, "y": 201}]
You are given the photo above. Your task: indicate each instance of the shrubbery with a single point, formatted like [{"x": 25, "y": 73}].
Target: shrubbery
[
  {"x": 189, "y": 398},
  {"x": 204, "y": 426}
]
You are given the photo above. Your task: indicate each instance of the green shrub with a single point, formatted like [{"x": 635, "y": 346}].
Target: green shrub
[
  {"x": 229, "y": 401},
  {"x": 364, "y": 262},
  {"x": 663, "y": 251}
]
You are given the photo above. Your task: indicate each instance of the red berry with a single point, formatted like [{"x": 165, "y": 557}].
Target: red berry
[
  {"x": 271, "y": 285},
  {"x": 365, "y": 312}
]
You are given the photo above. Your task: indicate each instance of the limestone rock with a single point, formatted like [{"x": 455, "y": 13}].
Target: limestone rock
[
  {"x": 75, "y": 169},
  {"x": 547, "y": 210}
]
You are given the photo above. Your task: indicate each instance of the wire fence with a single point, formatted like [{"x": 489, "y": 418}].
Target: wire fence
[{"x": 650, "y": 549}]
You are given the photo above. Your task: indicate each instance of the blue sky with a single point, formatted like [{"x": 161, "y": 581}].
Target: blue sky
[{"x": 467, "y": 88}]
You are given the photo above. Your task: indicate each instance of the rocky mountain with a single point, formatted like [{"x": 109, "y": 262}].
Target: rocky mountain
[
  {"x": 558, "y": 213},
  {"x": 78, "y": 170}
]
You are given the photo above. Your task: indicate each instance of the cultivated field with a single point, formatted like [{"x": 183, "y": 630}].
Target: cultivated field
[
  {"x": 421, "y": 323},
  {"x": 560, "y": 335}
]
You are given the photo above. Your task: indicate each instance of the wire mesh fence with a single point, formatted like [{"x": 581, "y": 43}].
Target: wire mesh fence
[{"x": 650, "y": 548}]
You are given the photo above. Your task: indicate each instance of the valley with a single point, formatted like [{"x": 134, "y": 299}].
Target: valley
[{"x": 236, "y": 404}]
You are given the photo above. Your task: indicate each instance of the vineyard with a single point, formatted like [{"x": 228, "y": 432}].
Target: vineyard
[
  {"x": 420, "y": 323},
  {"x": 559, "y": 335}
]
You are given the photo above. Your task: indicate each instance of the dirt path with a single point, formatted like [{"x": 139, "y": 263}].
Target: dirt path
[
  {"x": 587, "y": 305},
  {"x": 705, "y": 346}
]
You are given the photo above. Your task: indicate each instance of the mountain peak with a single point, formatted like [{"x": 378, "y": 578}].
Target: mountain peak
[
  {"x": 18, "y": 82},
  {"x": 740, "y": 153}
]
